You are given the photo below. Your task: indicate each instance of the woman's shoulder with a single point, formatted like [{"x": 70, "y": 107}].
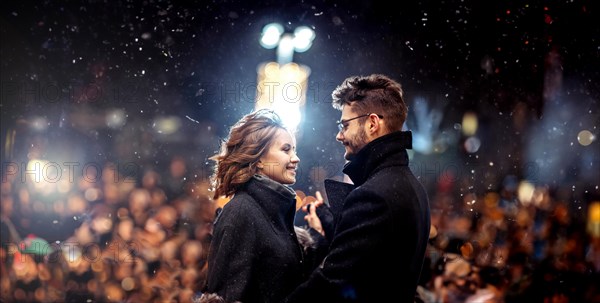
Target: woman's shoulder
[
  {"x": 240, "y": 212},
  {"x": 241, "y": 203}
]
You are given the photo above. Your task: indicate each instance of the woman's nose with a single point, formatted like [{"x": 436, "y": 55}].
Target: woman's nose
[{"x": 295, "y": 158}]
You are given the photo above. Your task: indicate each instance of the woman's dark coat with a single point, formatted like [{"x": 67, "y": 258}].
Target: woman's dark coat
[{"x": 255, "y": 255}]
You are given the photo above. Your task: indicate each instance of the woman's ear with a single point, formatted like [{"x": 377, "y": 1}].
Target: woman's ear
[{"x": 260, "y": 165}]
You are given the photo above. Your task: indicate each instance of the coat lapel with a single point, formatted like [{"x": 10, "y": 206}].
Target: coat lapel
[{"x": 336, "y": 194}]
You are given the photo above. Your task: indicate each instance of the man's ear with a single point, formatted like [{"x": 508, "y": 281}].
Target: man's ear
[{"x": 374, "y": 124}]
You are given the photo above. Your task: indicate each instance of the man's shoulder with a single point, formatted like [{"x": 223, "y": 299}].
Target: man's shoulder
[
  {"x": 386, "y": 175},
  {"x": 392, "y": 180}
]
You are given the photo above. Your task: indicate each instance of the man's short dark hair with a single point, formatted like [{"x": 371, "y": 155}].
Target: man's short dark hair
[{"x": 376, "y": 94}]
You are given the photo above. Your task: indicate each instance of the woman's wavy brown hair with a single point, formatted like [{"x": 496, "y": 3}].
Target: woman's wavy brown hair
[{"x": 249, "y": 139}]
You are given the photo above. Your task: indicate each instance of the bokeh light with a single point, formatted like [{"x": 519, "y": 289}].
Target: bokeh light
[{"x": 585, "y": 137}]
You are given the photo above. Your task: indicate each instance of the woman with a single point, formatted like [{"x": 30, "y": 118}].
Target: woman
[{"x": 255, "y": 254}]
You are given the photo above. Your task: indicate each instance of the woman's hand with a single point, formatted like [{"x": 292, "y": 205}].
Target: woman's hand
[{"x": 311, "y": 217}]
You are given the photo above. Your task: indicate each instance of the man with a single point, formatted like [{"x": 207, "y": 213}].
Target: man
[{"x": 382, "y": 227}]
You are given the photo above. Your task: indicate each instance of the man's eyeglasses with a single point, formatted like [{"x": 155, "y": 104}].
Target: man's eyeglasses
[{"x": 343, "y": 124}]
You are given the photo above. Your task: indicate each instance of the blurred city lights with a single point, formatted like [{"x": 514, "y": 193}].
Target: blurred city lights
[
  {"x": 35, "y": 167},
  {"x": 472, "y": 144},
  {"x": 585, "y": 137},
  {"x": 525, "y": 192},
  {"x": 270, "y": 35},
  {"x": 167, "y": 125},
  {"x": 303, "y": 38},
  {"x": 115, "y": 118},
  {"x": 283, "y": 89},
  {"x": 285, "y": 50},
  {"x": 39, "y": 124},
  {"x": 593, "y": 222},
  {"x": 282, "y": 85},
  {"x": 469, "y": 124},
  {"x": 300, "y": 41}
]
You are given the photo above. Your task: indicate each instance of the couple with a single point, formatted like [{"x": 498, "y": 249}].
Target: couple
[{"x": 376, "y": 233}]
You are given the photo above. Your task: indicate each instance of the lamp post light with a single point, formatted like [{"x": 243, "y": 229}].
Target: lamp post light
[
  {"x": 286, "y": 43},
  {"x": 282, "y": 85}
]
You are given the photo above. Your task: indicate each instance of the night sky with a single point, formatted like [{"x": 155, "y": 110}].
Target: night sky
[{"x": 525, "y": 68}]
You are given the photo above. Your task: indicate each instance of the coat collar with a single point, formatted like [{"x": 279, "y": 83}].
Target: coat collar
[
  {"x": 278, "y": 201},
  {"x": 384, "y": 151}
]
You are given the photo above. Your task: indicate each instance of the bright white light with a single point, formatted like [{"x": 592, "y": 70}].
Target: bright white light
[
  {"x": 36, "y": 167},
  {"x": 285, "y": 51},
  {"x": 39, "y": 124},
  {"x": 290, "y": 116},
  {"x": 422, "y": 144},
  {"x": 273, "y": 36},
  {"x": 283, "y": 88},
  {"x": 115, "y": 118},
  {"x": 167, "y": 125},
  {"x": 43, "y": 176},
  {"x": 303, "y": 37},
  {"x": 270, "y": 35},
  {"x": 525, "y": 192},
  {"x": 287, "y": 96}
]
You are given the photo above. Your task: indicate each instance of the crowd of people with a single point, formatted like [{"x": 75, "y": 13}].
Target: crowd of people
[
  {"x": 132, "y": 243},
  {"x": 498, "y": 247},
  {"x": 140, "y": 246}
]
